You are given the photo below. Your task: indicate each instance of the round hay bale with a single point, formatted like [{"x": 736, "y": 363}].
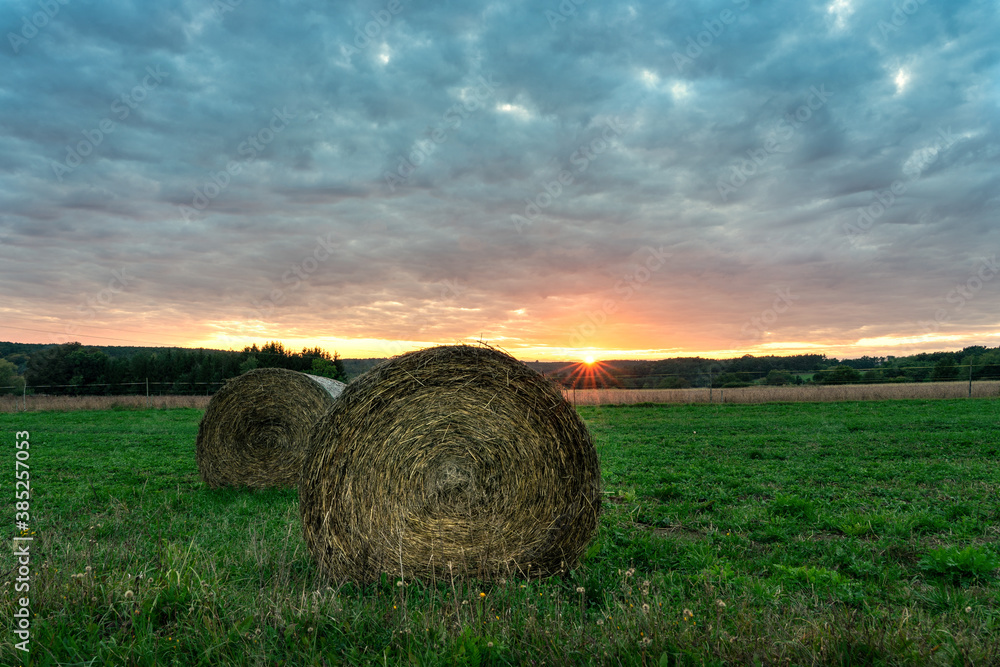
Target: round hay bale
[
  {"x": 255, "y": 429},
  {"x": 449, "y": 460}
]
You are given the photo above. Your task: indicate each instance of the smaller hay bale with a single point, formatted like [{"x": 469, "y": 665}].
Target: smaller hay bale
[
  {"x": 255, "y": 429},
  {"x": 449, "y": 460}
]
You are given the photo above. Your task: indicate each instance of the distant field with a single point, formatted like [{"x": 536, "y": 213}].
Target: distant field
[
  {"x": 814, "y": 533},
  {"x": 64, "y": 403},
  {"x": 807, "y": 393},
  {"x": 858, "y": 392}
]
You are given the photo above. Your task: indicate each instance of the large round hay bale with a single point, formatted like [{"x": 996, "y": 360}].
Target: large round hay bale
[
  {"x": 255, "y": 429},
  {"x": 449, "y": 460}
]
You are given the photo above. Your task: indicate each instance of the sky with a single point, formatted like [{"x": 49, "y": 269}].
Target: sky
[{"x": 560, "y": 179}]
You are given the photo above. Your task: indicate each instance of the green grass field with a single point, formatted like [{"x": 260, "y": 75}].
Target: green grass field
[{"x": 802, "y": 534}]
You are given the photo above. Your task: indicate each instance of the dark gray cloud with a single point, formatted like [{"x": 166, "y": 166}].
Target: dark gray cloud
[{"x": 313, "y": 171}]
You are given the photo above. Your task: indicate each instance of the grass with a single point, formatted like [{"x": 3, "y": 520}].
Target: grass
[{"x": 809, "y": 533}]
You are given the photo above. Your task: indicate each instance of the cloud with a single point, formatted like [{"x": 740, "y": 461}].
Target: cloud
[{"x": 731, "y": 161}]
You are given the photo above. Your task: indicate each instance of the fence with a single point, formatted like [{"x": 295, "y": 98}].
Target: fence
[
  {"x": 788, "y": 393},
  {"x": 100, "y": 395},
  {"x": 755, "y": 394}
]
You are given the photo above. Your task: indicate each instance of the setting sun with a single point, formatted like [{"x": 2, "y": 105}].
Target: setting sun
[{"x": 589, "y": 359}]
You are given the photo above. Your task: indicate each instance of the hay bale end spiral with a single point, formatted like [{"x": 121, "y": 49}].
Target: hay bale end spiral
[
  {"x": 255, "y": 430},
  {"x": 453, "y": 460}
]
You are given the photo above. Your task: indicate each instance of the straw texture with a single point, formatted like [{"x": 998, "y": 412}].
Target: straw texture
[
  {"x": 255, "y": 429},
  {"x": 449, "y": 461}
]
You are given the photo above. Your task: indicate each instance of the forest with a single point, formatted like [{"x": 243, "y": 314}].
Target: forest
[
  {"x": 977, "y": 362},
  {"x": 73, "y": 368}
]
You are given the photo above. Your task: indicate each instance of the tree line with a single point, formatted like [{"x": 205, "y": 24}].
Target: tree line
[
  {"x": 73, "y": 368},
  {"x": 976, "y": 362}
]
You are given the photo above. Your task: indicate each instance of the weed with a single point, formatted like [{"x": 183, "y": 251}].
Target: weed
[
  {"x": 956, "y": 564},
  {"x": 794, "y": 507}
]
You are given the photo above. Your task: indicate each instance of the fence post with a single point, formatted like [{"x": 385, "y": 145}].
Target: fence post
[
  {"x": 147, "y": 393},
  {"x": 24, "y": 398},
  {"x": 970, "y": 379}
]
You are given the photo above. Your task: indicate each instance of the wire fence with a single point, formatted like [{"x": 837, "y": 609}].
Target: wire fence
[
  {"x": 808, "y": 393},
  {"x": 159, "y": 395},
  {"x": 64, "y": 403},
  {"x": 106, "y": 394}
]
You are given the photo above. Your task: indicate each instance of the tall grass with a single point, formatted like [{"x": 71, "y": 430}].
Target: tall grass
[
  {"x": 44, "y": 403},
  {"x": 798, "y": 393}
]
